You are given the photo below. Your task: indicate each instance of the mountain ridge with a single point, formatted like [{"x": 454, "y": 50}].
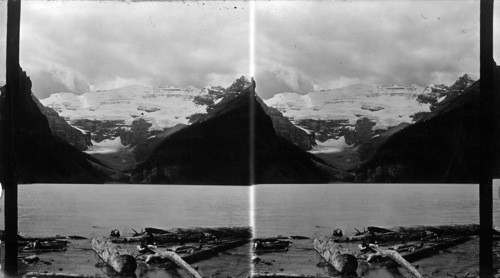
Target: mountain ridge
[
  {"x": 217, "y": 150},
  {"x": 40, "y": 156},
  {"x": 442, "y": 147}
]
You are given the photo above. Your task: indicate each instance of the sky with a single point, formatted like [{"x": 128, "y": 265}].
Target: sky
[
  {"x": 299, "y": 46},
  {"x": 81, "y": 46}
]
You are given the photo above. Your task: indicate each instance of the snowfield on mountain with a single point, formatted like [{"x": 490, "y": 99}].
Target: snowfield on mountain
[
  {"x": 160, "y": 106},
  {"x": 387, "y": 105}
]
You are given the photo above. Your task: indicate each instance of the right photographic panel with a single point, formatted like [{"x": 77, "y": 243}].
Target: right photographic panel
[{"x": 382, "y": 101}]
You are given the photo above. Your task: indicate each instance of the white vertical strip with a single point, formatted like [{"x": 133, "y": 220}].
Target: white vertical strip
[{"x": 252, "y": 74}]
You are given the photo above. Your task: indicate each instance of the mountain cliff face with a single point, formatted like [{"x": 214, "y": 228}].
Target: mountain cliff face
[
  {"x": 442, "y": 147},
  {"x": 42, "y": 157},
  {"x": 287, "y": 130},
  {"x": 216, "y": 149},
  {"x": 62, "y": 129},
  {"x": 438, "y": 96}
]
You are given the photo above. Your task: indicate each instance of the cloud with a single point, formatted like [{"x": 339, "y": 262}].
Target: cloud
[
  {"x": 46, "y": 82},
  {"x": 335, "y": 43},
  {"x": 73, "y": 46}
]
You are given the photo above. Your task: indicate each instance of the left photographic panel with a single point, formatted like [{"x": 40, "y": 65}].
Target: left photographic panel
[
  {"x": 130, "y": 118},
  {"x": 134, "y": 93}
]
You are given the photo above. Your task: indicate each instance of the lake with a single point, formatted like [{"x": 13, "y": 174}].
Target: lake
[
  {"x": 315, "y": 210},
  {"x": 88, "y": 210},
  {"x": 311, "y": 209},
  {"x": 95, "y": 210}
]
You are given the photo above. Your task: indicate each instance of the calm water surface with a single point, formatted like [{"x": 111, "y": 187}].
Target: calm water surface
[
  {"x": 308, "y": 209},
  {"x": 87, "y": 210},
  {"x": 314, "y": 210}
]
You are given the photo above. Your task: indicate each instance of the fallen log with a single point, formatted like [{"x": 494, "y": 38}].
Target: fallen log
[
  {"x": 161, "y": 236},
  {"x": 271, "y": 239},
  {"x": 56, "y": 275},
  {"x": 395, "y": 256},
  {"x": 299, "y": 237},
  {"x": 213, "y": 251},
  {"x": 341, "y": 259},
  {"x": 150, "y": 230},
  {"x": 199, "y": 233},
  {"x": 45, "y": 246},
  {"x": 273, "y": 244},
  {"x": 282, "y": 275},
  {"x": 119, "y": 259},
  {"x": 412, "y": 233},
  {"x": 129, "y": 239},
  {"x": 31, "y": 259},
  {"x": 415, "y": 251},
  {"x": 434, "y": 248},
  {"x": 173, "y": 257},
  {"x": 262, "y": 251},
  {"x": 23, "y": 237},
  {"x": 440, "y": 230},
  {"x": 158, "y": 238},
  {"x": 207, "y": 250}
]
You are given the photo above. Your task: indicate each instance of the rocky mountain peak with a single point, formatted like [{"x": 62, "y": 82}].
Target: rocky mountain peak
[
  {"x": 240, "y": 84},
  {"x": 462, "y": 83}
]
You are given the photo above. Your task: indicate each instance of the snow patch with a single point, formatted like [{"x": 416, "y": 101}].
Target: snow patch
[
  {"x": 106, "y": 146},
  {"x": 330, "y": 146},
  {"x": 80, "y": 129},
  {"x": 441, "y": 99},
  {"x": 217, "y": 100},
  {"x": 304, "y": 129}
]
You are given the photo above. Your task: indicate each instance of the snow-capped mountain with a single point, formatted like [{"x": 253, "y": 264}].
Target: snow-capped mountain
[
  {"x": 134, "y": 119},
  {"x": 126, "y": 117},
  {"x": 352, "y": 115},
  {"x": 443, "y": 147},
  {"x": 384, "y": 105},
  {"x": 162, "y": 106}
]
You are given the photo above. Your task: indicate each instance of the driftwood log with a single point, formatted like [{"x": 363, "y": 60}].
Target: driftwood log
[
  {"x": 55, "y": 275},
  {"x": 434, "y": 248},
  {"x": 173, "y": 257},
  {"x": 271, "y": 239},
  {"x": 342, "y": 260},
  {"x": 206, "y": 251},
  {"x": 23, "y": 237},
  {"x": 197, "y": 234},
  {"x": 395, "y": 256},
  {"x": 282, "y": 275},
  {"x": 409, "y": 233},
  {"x": 121, "y": 260}
]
